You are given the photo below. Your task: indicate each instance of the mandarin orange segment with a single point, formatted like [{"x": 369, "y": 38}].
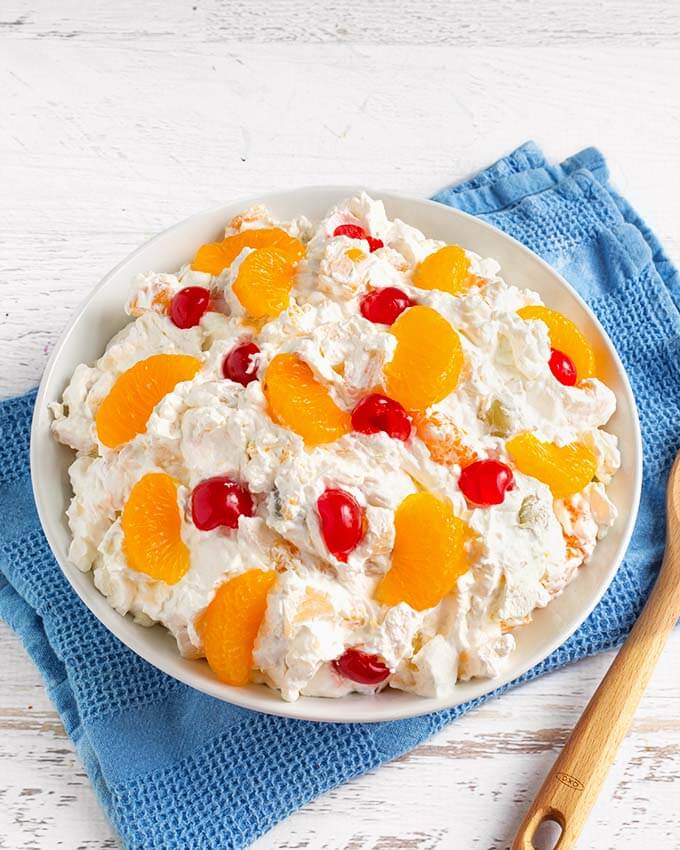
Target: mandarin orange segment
[
  {"x": 447, "y": 269},
  {"x": 565, "y": 337},
  {"x": 298, "y": 401},
  {"x": 565, "y": 469},
  {"x": 264, "y": 281},
  {"x": 151, "y": 523},
  {"x": 126, "y": 409},
  {"x": 215, "y": 257},
  {"x": 231, "y": 622},
  {"x": 427, "y": 360},
  {"x": 428, "y": 555}
]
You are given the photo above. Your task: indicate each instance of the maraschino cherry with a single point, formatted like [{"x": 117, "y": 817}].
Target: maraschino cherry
[
  {"x": 354, "y": 231},
  {"x": 485, "y": 482},
  {"x": 384, "y": 306},
  {"x": 377, "y": 412},
  {"x": 239, "y": 365},
  {"x": 562, "y": 367},
  {"x": 361, "y": 667},
  {"x": 219, "y": 501},
  {"x": 188, "y": 306},
  {"x": 342, "y": 522}
]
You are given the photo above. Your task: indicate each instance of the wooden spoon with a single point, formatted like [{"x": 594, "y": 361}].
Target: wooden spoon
[{"x": 572, "y": 786}]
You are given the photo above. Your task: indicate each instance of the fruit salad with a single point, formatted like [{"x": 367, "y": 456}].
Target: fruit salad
[{"x": 338, "y": 456}]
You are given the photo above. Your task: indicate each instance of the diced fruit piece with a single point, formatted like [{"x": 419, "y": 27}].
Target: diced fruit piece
[
  {"x": 428, "y": 555},
  {"x": 532, "y": 513},
  {"x": 447, "y": 442},
  {"x": 342, "y": 522},
  {"x": 498, "y": 418},
  {"x": 264, "y": 281},
  {"x": 447, "y": 269},
  {"x": 214, "y": 257},
  {"x": 315, "y": 605},
  {"x": 359, "y": 666},
  {"x": 384, "y": 306},
  {"x": 298, "y": 401},
  {"x": 230, "y": 624},
  {"x": 151, "y": 524},
  {"x": 355, "y": 254},
  {"x": 427, "y": 360},
  {"x": 566, "y": 338},
  {"x": 355, "y": 231},
  {"x": 188, "y": 306},
  {"x": 126, "y": 409},
  {"x": 377, "y": 412},
  {"x": 239, "y": 365},
  {"x": 565, "y": 469},
  {"x": 485, "y": 482},
  {"x": 562, "y": 367},
  {"x": 219, "y": 501}
]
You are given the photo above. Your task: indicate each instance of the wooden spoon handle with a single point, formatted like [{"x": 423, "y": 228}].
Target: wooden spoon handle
[{"x": 572, "y": 786}]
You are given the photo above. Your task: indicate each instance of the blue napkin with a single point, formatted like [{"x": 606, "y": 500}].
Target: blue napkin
[{"x": 177, "y": 770}]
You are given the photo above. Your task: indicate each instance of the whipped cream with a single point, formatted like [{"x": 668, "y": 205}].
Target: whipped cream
[{"x": 521, "y": 553}]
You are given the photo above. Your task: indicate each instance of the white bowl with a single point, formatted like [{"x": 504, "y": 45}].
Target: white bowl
[{"x": 102, "y": 315}]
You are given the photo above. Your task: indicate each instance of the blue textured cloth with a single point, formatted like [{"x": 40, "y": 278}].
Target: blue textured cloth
[{"x": 177, "y": 770}]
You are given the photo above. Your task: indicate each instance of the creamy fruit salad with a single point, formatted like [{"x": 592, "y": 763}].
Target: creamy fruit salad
[{"x": 339, "y": 457}]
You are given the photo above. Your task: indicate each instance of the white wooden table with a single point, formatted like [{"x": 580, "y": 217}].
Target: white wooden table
[{"x": 117, "y": 119}]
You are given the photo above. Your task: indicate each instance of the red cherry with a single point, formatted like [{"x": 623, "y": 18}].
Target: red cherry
[
  {"x": 238, "y": 364},
  {"x": 377, "y": 412},
  {"x": 342, "y": 522},
  {"x": 354, "y": 231},
  {"x": 485, "y": 482},
  {"x": 562, "y": 367},
  {"x": 219, "y": 501},
  {"x": 361, "y": 667},
  {"x": 384, "y": 306},
  {"x": 188, "y": 306}
]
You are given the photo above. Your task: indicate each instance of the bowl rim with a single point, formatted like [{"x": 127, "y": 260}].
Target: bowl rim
[{"x": 367, "y": 709}]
